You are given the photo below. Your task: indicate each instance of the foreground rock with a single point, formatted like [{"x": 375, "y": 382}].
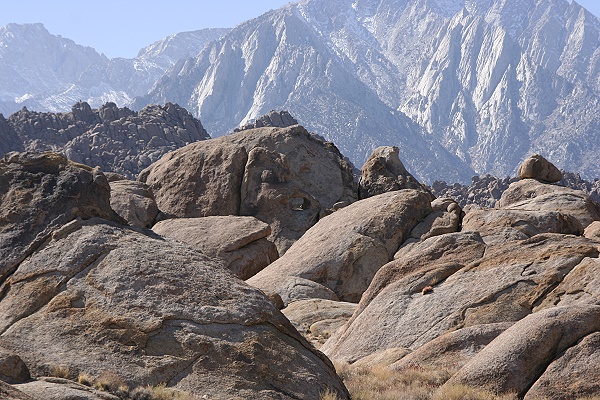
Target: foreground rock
[
  {"x": 241, "y": 242},
  {"x": 104, "y": 297},
  {"x": 39, "y": 193},
  {"x": 285, "y": 177},
  {"x": 7, "y": 392},
  {"x": 384, "y": 172},
  {"x": 537, "y": 167},
  {"x": 61, "y": 389},
  {"x": 343, "y": 251},
  {"x": 515, "y": 360},
  {"x": 12, "y": 368},
  {"x": 468, "y": 288}
]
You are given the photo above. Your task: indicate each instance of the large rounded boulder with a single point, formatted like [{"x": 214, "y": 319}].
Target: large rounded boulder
[
  {"x": 344, "y": 250},
  {"x": 285, "y": 177}
]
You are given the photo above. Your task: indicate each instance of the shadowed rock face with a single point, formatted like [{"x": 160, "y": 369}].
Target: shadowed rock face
[
  {"x": 285, "y": 177},
  {"x": 115, "y": 139},
  {"x": 39, "y": 193}
]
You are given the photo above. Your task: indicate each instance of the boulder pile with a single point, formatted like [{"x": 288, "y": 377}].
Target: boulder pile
[{"x": 223, "y": 268}]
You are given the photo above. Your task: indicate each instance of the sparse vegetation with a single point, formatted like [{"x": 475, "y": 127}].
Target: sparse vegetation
[
  {"x": 59, "y": 371},
  {"x": 85, "y": 379},
  {"x": 160, "y": 392},
  {"x": 110, "y": 382},
  {"x": 417, "y": 383}
]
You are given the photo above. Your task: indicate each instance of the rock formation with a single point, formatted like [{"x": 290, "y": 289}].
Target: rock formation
[
  {"x": 508, "y": 304},
  {"x": 134, "y": 202},
  {"x": 384, "y": 172},
  {"x": 343, "y": 251},
  {"x": 277, "y": 119},
  {"x": 115, "y": 139},
  {"x": 240, "y": 242},
  {"x": 39, "y": 195},
  {"x": 93, "y": 295},
  {"x": 537, "y": 167},
  {"x": 285, "y": 177}
]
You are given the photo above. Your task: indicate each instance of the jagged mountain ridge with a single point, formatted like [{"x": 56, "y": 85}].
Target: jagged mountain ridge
[
  {"x": 490, "y": 81},
  {"x": 116, "y": 139},
  {"x": 50, "y": 73}
]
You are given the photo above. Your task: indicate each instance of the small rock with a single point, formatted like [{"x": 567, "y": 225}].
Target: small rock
[{"x": 537, "y": 167}]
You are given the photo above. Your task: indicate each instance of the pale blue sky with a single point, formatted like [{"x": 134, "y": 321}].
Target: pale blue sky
[{"x": 121, "y": 28}]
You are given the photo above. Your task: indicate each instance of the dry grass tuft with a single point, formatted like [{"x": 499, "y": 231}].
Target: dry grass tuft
[
  {"x": 381, "y": 382},
  {"x": 160, "y": 392},
  {"x": 462, "y": 392},
  {"x": 60, "y": 371},
  {"x": 85, "y": 379},
  {"x": 110, "y": 382}
]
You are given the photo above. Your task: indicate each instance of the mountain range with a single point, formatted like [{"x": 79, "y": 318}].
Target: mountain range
[{"x": 462, "y": 87}]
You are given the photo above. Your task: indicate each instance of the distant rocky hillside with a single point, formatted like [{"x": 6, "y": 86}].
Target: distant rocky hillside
[
  {"x": 116, "y": 139},
  {"x": 50, "y": 73},
  {"x": 485, "y": 191}
]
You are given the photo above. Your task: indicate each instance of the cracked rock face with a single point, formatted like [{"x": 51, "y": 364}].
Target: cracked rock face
[
  {"x": 105, "y": 297},
  {"x": 39, "y": 193},
  {"x": 285, "y": 177}
]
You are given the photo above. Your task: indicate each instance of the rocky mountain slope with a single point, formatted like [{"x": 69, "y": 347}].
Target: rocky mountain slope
[
  {"x": 115, "y": 139},
  {"x": 46, "y": 72},
  {"x": 470, "y": 86}
]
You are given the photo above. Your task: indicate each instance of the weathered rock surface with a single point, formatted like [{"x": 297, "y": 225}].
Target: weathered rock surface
[
  {"x": 537, "y": 167},
  {"x": 39, "y": 193},
  {"x": 317, "y": 319},
  {"x": 277, "y": 119},
  {"x": 445, "y": 218},
  {"x": 285, "y": 177},
  {"x": 12, "y": 368},
  {"x": 518, "y": 357},
  {"x": 61, "y": 389},
  {"x": 532, "y": 195},
  {"x": 496, "y": 225},
  {"x": 384, "y": 172},
  {"x": 134, "y": 202},
  {"x": 241, "y": 242},
  {"x": 343, "y": 251},
  {"x": 107, "y": 297},
  {"x": 574, "y": 374},
  {"x": 454, "y": 349},
  {"x": 469, "y": 288},
  {"x": 580, "y": 286},
  {"x": 116, "y": 139},
  {"x": 7, "y": 392},
  {"x": 592, "y": 231}
]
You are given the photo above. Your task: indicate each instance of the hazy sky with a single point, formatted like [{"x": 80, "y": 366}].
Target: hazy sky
[{"x": 121, "y": 28}]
